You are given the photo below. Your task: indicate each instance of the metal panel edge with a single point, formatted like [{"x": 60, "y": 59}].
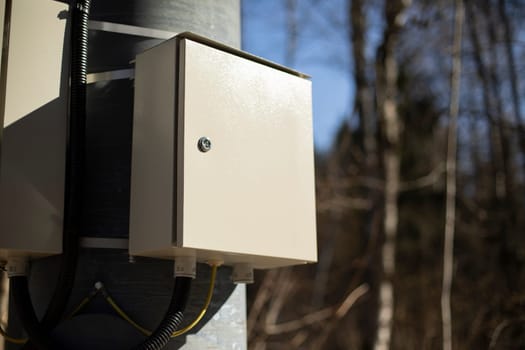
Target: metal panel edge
[
  {"x": 3, "y": 66},
  {"x": 178, "y": 197},
  {"x": 142, "y": 238},
  {"x": 219, "y": 46}
]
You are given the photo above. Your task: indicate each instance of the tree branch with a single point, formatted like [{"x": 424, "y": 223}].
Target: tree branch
[{"x": 333, "y": 311}]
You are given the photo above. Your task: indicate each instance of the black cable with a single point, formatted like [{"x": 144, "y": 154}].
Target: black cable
[
  {"x": 173, "y": 318},
  {"x": 156, "y": 341},
  {"x": 26, "y": 313},
  {"x": 73, "y": 187},
  {"x": 74, "y": 164}
]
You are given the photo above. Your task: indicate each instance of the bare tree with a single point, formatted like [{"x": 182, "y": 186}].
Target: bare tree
[
  {"x": 387, "y": 92},
  {"x": 512, "y": 72},
  {"x": 292, "y": 32},
  {"x": 364, "y": 104},
  {"x": 450, "y": 211},
  {"x": 489, "y": 103},
  {"x": 384, "y": 201},
  {"x": 503, "y": 153}
]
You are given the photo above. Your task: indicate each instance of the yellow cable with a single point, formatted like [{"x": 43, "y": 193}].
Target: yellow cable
[
  {"x": 204, "y": 308},
  {"x": 12, "y": 339},
  {"x": 80, "y": 306},
  {"x": 199, "y": 317},
  {"x": 128, "y": 319}
]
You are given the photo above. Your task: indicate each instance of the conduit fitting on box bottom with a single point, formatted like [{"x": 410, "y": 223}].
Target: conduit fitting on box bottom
[
  {"x": 185, "y": 266},
  {"x": 242, "y": 273},
  {"x": 17, "y": 266}
]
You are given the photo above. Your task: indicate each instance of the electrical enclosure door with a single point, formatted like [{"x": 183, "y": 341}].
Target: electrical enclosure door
[{"x": 249, "y": 196}]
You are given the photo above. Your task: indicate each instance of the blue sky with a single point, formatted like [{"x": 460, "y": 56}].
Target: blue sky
[{"x": 322, "y": 52}]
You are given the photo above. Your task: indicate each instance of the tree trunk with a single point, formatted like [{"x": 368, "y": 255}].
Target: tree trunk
[
  {"x": 513, "y": 75},
  {"x": 450, "y": 210},
  {"x": 508, "y": 155},
  {"x": 292, "y": 32},
  {"x": 488, "y": 102},
  {"x": 387, "y": 76},
  {"x": 364, "y": 102}
]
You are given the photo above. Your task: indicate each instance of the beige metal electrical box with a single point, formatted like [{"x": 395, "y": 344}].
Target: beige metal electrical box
[
  {"x": 223, "y": 160},
  {"x": 33, "y": 107}
]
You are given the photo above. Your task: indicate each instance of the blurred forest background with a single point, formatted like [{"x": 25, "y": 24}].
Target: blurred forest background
[{"x": 421, "y": 238}]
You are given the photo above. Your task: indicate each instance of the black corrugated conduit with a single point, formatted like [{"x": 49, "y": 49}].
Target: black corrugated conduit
[
  {"x": 173, "y": 318},
  {"x": 38, "y": 331},
  {"x": 74, "y": 164}
]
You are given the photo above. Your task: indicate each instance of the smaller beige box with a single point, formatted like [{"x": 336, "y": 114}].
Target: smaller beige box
[
  {"x": 34, "y": 86},
  {"x": 251, "y": 197}
]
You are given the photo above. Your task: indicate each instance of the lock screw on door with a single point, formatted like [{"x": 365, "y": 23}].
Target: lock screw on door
[{"x": 204, "y": 144}]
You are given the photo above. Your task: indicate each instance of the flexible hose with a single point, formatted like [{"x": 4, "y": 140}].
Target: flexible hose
[
  {"x": 73, "y": 187},
  {"x": 173, "y": 318}
]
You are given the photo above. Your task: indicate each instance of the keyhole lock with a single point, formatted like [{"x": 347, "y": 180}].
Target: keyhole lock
[{"x": 204, "y": 144}]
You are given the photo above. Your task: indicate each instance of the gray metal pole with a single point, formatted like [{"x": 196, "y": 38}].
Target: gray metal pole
[{"x": 142, "y": 287}]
